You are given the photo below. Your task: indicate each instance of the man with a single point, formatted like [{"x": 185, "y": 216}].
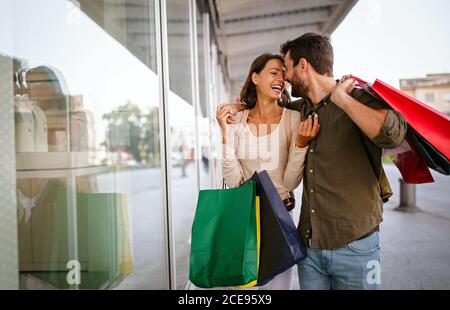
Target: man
[{"x": 344, "y": 182}]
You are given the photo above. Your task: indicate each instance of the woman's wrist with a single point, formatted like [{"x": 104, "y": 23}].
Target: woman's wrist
[
  {"x": 225, "y": 133},
  {"x": 300, "y": 144}
]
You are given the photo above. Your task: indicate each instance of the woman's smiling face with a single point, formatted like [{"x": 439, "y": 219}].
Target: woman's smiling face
[{"x": 270, "y": 81}]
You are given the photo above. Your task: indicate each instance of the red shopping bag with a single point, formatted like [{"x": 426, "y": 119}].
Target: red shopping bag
[
  {"x": 433, "y": 125},
  {"x": 413, "y": 167},
  {"x": 427, "y": 123}
]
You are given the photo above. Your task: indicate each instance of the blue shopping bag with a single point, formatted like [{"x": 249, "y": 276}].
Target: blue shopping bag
[{"x": 281, "y": 246}]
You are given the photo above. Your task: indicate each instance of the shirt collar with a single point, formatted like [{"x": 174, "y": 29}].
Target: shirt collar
[
  {"x": 325, "y": 101},
  {"x": 321, "y": 104}
]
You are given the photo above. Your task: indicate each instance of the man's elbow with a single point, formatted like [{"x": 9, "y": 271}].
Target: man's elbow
[
  {"x": 375, "y": 132},
  {"x": 392, "y": 142},
  {"x": 393, "y": 131}
]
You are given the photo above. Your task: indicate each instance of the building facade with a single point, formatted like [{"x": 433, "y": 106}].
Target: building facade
[{"x": 434, "y": 90}]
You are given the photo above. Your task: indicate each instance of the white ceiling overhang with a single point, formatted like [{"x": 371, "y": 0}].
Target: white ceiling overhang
[{"x": 247, "y": 28}]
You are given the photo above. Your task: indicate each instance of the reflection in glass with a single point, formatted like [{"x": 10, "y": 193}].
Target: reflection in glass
[
  {"x": 87, "y": 143},
  {"x": 182, "y": 128},
  {"x": 205, "y": 180}
]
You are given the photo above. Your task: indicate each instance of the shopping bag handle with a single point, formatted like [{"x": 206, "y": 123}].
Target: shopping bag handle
[
  {"x": 360, "y": 81},
  {"x": 223, "y": 185}
]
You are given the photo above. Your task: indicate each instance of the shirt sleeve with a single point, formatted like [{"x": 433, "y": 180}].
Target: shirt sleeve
[
  {"x": 293, "y": 173},
  {"x": 393, "y": 131},
  {"x": 295, "y": 166},
  {"x": 231, "y": 167}
]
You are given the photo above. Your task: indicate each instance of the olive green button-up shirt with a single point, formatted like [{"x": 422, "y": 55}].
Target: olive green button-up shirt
[{"x": 341, "y": 185}]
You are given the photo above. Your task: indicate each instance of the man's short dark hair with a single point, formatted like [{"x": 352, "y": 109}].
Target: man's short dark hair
[{"x": 315, "y": 48}]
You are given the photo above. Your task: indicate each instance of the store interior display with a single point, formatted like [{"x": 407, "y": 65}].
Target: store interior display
[
  {"x": 53, "y": 129},
  {"x": 61, "y": 214}
]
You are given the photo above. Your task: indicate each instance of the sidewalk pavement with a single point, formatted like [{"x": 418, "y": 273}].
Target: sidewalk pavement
[{"x": 415, "y": 247}]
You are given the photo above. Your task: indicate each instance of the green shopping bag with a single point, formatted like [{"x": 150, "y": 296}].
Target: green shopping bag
[
  {"x": 103, "y": 235},
  {"x": 224, "y": 246}
]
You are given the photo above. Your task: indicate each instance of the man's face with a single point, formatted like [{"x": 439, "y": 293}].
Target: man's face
[{"x": 299, "y": 87}]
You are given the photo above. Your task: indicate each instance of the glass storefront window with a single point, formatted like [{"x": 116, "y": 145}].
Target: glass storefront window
[
  {"x": 203, "y": 117},
  {"x": 88, "y": 160},
  {"x": 81, "y": 91},
  {"x": 184, "y": 186}
]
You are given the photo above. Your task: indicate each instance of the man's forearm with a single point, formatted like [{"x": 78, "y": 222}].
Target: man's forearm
[{"x": 369, "y": 120}]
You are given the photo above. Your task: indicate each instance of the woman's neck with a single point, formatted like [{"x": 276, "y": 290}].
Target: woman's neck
[{"x": 265, "y": 110}]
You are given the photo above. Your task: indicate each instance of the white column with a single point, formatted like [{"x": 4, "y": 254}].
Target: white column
[
  {"x": 195, "y": 83},
  {"x": 9, "y": 256},
  {"x": 164, "y": 133}
]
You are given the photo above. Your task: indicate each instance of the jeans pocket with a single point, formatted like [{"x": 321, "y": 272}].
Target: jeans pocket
[{"x": 366, "y": 245}]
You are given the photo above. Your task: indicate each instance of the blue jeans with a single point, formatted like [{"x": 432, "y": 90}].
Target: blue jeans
[{"x": 355, "y": 266}]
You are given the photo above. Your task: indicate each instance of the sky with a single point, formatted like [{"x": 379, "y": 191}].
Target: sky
[{"x": 393, "y": 39}]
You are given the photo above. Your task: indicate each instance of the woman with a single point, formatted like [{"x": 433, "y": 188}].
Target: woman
[{"x": 261, "y": 138}]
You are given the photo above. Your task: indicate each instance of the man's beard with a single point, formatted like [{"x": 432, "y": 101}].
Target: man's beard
[{"x": 299, "y": 88}]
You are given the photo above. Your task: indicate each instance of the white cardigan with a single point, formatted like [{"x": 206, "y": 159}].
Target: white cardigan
[{"x": 244, "y": 153}]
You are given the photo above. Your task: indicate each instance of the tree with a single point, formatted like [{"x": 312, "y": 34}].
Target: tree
[{"x": 134, "y": 132}]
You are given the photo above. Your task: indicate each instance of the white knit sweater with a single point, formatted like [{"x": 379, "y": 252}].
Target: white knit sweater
[{"x": 244, "y": 153}]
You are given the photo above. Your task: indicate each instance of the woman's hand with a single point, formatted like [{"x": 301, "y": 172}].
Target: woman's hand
[
  {"x": 225, "y": 114},
  {"x": 307, "y": 131}
]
